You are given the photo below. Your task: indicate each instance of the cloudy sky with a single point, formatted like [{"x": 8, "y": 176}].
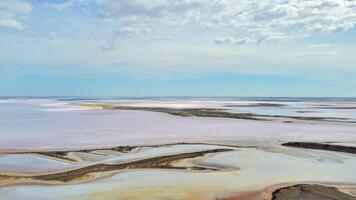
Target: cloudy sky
[{"x": 178, "y": 47}]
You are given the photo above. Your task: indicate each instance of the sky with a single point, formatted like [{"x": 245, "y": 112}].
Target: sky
[{"x": 178, "y": 48}]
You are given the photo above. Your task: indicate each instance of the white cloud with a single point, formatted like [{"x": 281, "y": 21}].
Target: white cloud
[
  {"x": 133, "y": 30},
  {"x": 265, "y": 20},
  {"x": 67, "y": 4},
  {"x": 231, "y": 41},
  {"x": 150, "y": 8},
  {"x": 10, "y": 10},
  {"x": 320, "y": 46},
  {"x": 182, "y": 35},
  {"x": 10, "y": 23}
]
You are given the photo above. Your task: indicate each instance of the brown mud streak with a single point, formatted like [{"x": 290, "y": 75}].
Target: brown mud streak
[
  {"x": 56, "y": 154},
  {"x": 215, "y": 112},
  {"x": 315, "y": 192},
  {"x": 257, "y": 105},
  {"x": 186, "y": 112},
  {"x": 64, "y": 154},
  {"x": 320, "y": 146},
  {"x": 293, "y": 191},
  {"x": 156, "y": 162}
]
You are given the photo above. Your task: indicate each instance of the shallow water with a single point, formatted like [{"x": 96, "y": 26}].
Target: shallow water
[
  {"x": 25, "y": 163},
  {"x": 148, "y": 152},
  {"x": 288, "y": 107},
  {"x": 32, "y": 163},
  {"x": 59, "y": 124},
  {"x": 257, "y": 169},
  {"x": 46, "y": 124}
]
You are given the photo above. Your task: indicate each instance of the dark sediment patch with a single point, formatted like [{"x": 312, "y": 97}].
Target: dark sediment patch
[
  {"x": 305, "y": 111},
  {"x": 321, "y": 146},
  {"x": 218, "y": 113},
  {"x": 257, "y": 105},
  {"x": 312, "y": 192},
  {"x": 336, "y": 107},
  {"x": 327, "y": 119},
  {"x": 287, "y": 121},
  {"x": 190, "y": 112},
  {"x": 64, "y": 154},
  {"x": 154, "y": 163},
  {"x": 122, "y": 149},
  {"x": 57, "y": 154}
]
